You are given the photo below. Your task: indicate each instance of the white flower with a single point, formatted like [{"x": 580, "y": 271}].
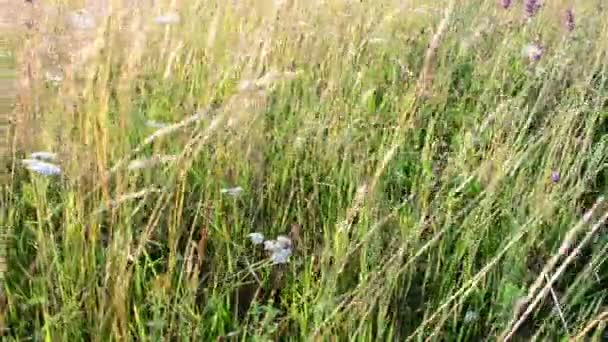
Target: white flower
[
  {"x": 280, "y": 256},
  {"x": 167, "y": 19},
  {"x": 256, "y": 238},
  {"x": 532, "y": 51},
  {"x": 155, "y": 124},
  {"x": 42, "y": 167},
  {"x": 82, "y": 20},
  {"x": 377, "y": 40},
  {"x": 299, "y": 142},
  {"x": 471, "y": 316},
  {"x": 54, "y": 77},
  {"x": 246, "y": 85},
  {"x": 232, "y": 191},
  {"x": 271, "y": 245},
  {"x": 280, "y": 249},
  {"x": 284, "y": 242},
  {"x": 44, "y": 156}
]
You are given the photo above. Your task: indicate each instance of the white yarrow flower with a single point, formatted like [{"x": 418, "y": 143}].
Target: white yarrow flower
[
  {"x": 155, "y": 124},
  {"x": 256, "y": 238},
  {"x": 41, "y": 167},
  {"x": 167, "y": 19},
  {"x": 82, "y": 20},
  {"x": 232, "y": 191},
  {"x": 471, "y": 316},
  {"x": 44, "y": 156},
  {"x": 532, "y": 51},
  {"x": 280, "y": 249},
  {"x": 54, "y": 77},
  {"x": 280, "y": 256},
  {"x": 284, "y": 242},
  {"x": 271, "y": 245}
]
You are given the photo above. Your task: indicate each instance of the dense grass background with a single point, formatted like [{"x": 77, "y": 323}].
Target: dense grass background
[{"x": 432, "y": 178}]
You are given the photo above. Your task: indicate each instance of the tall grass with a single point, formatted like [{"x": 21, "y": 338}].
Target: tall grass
[{"x": 436, "y": 183}]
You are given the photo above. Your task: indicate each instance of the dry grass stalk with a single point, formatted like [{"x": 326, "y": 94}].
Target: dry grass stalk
[
  {"x": 520, "y": 319},
  {"x": 602, "y": 318}
]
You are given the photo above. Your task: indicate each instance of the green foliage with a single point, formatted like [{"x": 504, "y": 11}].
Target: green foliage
[{"x": 302, "y": 109}]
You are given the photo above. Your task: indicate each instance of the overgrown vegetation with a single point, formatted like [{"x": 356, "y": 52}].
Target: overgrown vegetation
[{"x": 439, "y": 169}]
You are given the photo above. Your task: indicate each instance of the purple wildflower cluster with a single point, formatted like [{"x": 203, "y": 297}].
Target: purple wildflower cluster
[
  {"x": 569, "y": 19},
  {"x": 555, "y": 176},
  {"x": 505, "y": 3},
  {"x": 534, "y": 51},
  {"x": 531, "y": 7}
]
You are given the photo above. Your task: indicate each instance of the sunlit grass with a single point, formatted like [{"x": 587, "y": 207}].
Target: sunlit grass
[{"x": 418, "y": 171}]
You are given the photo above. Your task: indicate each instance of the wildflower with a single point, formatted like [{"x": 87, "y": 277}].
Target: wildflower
[
  {"x": 256, "y": 238},
  {"x": 280, "y": 249},
  {"x": 377, "y": 40},
  {"x": 155, "y": 124},
  {"x": 299, "y": 143},
  {"x": 555, "y": 177},
  {"x": 531, "y": 7},
  {"x": 271, "y": 245},
  {"x": 246, "y": 85},
  {"x": 281, "y": 256},
  {"x": 167, "y": 19},
  {"x": 82, "y": 20},
  {"x": 53, "y": 77},
  {"x": 505, "y": 3},
  {"x": 283, "y": 242},
  {"x": 533, "y": 52},
  {"x": 41, "y": 167},
  {"x": 471, "y": 316},
  {"x": 569, "y": 20},
  {"x": 232, "y": 191},
  {"x": 44, "y": 156}
]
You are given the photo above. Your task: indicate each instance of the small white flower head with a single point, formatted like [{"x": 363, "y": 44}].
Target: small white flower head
[
  {"x": 41, "y": 167},
  {"x": 44, "y": 156},
  {"x": 471, "y": 316},
  {"x": 54, "y": 77},
  {"x": 271, "y": 245},
  {"x": 377, "y": 40},
  {"x": 167, "y": 19},
  {"x": 280, "y": 249},
  {"x": 284, "y": 242},
  {"x": 246, "y": 85},
  {"x": 280, "y": 256},
  {"x": 533, "y": 52},
  {"x": 299, "y": 143},
  {"x": 256, "y": 238},
  {"x": 155, "y": 124},
  {"x": 138, "y": 164},
  {"x": 232, "y": 191},
  {"x": 82, "y": 20}
]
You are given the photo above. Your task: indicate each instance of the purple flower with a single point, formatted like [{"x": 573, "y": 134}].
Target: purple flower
[
  {"x": 555, "y": 177},
  {"x": 531, "y": 7},
  {"x": 505, "y": 3},
  {"x": 569, "y": 20}
]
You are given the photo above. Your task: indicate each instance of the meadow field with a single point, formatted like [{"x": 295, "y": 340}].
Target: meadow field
[{"x": 320, "y": 170}]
